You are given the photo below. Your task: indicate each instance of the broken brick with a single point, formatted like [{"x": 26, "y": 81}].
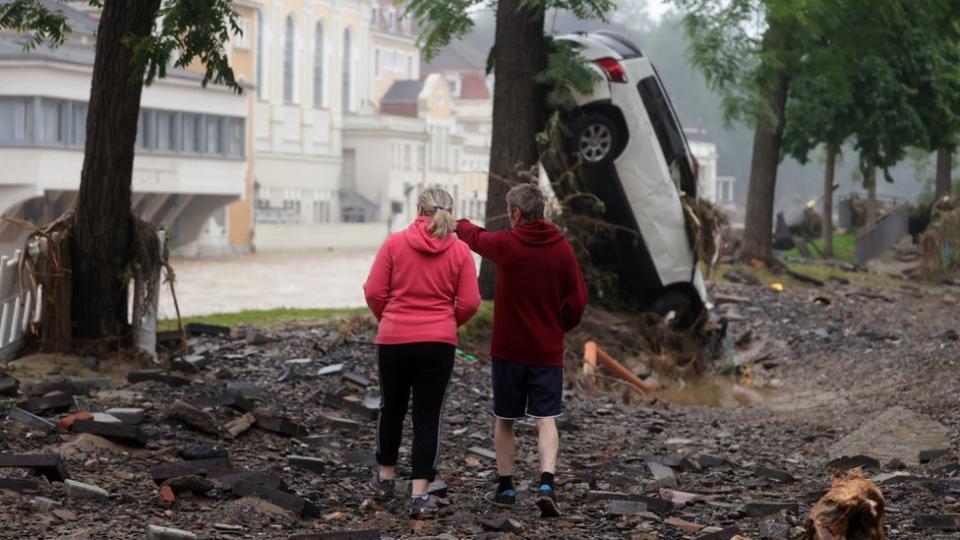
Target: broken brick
[
  {"x": 287, "y": 501},
  {"x": 50, "y": 466},
  {"x": 231, "y": 478},
  {"x": 240, "y": 424},
  {"x": 618, "y": 507},
  {"x": 194, "y": 417},
  {"x": 199, "y": 467},
  {"x": 57, "y": 402},
  {"x": 724, "y": 534},
  {"x": 167, "y": 495},
  {"x": 307, "y": 463},
  {"x": 156, "y": 532},
  {"x": 189, "y": 483},
  {"x": 201, "y": 451},
  {"x": 67, "y": 421},
  {"x": 278, "y": 424},
  {"x": 20, "y": 485},
  {"x": 357, "y": 379},
  {"x": 129, "y": 415},
  {"x": 682, "y": 524},
  {"x": 156, "y": 375},
  {"x": 82, "y": 490},
  {"x": 115, "y": 431}
]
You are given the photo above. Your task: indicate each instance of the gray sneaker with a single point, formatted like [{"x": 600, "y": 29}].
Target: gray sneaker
[
  {"x": 421, "y": 508},
  {"x": 382, "y": 489}
]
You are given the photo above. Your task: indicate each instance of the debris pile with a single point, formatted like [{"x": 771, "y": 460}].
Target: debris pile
[{"x": 258, "y": 434}]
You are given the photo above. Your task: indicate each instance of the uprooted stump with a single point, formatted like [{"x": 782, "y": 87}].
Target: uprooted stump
[{"x": 851, "y": 510}]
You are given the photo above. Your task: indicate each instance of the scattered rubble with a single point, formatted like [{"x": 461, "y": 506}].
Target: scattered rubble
[{"x": 273, "y": 437}]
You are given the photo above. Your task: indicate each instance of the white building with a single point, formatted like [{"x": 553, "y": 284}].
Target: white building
[{"x": 191, "y": 145}]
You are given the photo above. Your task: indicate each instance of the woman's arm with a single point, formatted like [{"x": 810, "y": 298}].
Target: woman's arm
[
  {"x": 377, "y": 288},
  {"x": 468, "y": 291}
]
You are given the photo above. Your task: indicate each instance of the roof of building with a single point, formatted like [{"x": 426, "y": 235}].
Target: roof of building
[
  {"x": 457, "y": 56},
  {"x": 11, "y": 48},
  {"x": 473, "y": 85},
  {"x": 405, "y": 91},
  {"x": 78, "y": 21}
]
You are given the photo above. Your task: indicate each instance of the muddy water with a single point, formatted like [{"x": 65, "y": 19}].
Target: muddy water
[{"x": 716, "y": 391}]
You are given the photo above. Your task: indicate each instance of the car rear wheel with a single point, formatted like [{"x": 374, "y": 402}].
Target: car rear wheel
[{"x": 596, "y": 139}]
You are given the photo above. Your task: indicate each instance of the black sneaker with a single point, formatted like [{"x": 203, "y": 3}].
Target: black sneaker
[
  {"x": 423, "y": 508},
  {"x": 547, "y": 502},
  {"x": 382, "y": 489},
  {"x": 505, "y": 498}
]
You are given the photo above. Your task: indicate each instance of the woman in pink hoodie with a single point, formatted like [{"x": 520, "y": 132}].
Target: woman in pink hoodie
[{"x": 423, "y": 285}]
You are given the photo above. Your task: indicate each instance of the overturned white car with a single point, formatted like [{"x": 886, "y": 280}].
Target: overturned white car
[{"x": 635, "y": 158}]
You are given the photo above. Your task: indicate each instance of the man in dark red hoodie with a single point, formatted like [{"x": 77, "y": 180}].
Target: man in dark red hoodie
[{"x": 540, "y": 295}]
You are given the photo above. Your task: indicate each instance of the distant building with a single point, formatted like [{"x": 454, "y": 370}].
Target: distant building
[
  {"x": 192, "y": 142},
  {"x": 716, "y": 189}
]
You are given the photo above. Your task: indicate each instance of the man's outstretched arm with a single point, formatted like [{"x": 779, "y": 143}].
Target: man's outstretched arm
[{"x": 480, "y": 240}]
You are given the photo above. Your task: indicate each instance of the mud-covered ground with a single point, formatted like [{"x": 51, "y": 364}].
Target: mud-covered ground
[{"x": 832, "y": 372}]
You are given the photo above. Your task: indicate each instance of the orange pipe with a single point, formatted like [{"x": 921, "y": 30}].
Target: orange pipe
[
  {"x": 590, "y": 357},
  {"x": 616, "y": 367}
]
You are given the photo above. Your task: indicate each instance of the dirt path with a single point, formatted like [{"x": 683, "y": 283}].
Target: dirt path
[{"x": 828, "y": 369}]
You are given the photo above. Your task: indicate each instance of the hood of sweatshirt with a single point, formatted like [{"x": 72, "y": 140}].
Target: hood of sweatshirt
[
  {"x": 419, "y": 237},
  {"x": 537, "y": 233}
]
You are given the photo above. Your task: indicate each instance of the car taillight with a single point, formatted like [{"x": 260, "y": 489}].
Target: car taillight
[{"x": 612, "y": 69}]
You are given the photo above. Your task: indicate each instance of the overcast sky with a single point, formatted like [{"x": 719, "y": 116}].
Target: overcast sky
[{"x": 656, "y": 8}]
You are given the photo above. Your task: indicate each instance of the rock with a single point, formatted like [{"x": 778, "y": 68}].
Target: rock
[
  {"x": 230, "y": 479},
  {"x": 156, "y": 375},
  {"x": 708, "y": 462},
  {"x": 287, "y": 501},
  {"x": 56, "y": 402},
  {"x": 762, "y": 509},
  {"x": 482, "y": 452},
  {"x": 278, "y": 424},
  {"x": 663, "y": 474},
  {"x": 307, "y": 463},
  {"x": 241, "y": 424},
  {"x": 104, "y": 417},
  {"x": 43, "y": 504},
  {"x": 50, "y": 466},
  {"x": 502, "y": 524},
  {"x": 938, "y": 522},
  {"x": 115, "y": 431},
  {"x": 8, "y": 385},
  {"x": 775, "y": 475},
  {"x": 625, "y": 508},
  {"x": 131, "y": 415},
  {"x": 201, "y": 451},
  {"x": 926, "y": 456},
  {"x": 227, "y": 527},
  {"x": 894, "y": 433},
  {"x": 156, "y": 532},
  {"x": 199, "y": 329},
  {"x": 357, "y": 379},
  {"x": 189, "y": 483},
  {"x": 438, "y": 488},
  {"x": 81, "y": 490},
  {"x": 682, "y": 524},
  {"x": 332, "y": 369},
  {"x": 20, "y": 485},
  {"x": 199, "y": 467},
  {"x": 194, "y": 417},
  {"x": 727, "y": 533},
  {"x": 846, "y": 463},
  {"x": 256, "y": 337},
  {"x": 770, "y": 530}
]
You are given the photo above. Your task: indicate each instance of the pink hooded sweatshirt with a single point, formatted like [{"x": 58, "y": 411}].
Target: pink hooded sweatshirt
[{"x": 421, "y": 288}]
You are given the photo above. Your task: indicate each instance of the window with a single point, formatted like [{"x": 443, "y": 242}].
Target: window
[
  {"x": 261, "y": 93},
  {"x": 214, "y": 127},
  {"x": 410, "y": 67},
  {"x": 318, "y": 66},
  {"x": 192, "y": 133},
  {"x": 421, "y": 156},
  {"x": 234, "y": 138},
  {"x": 454, "y": 81},
  {"x": 78, "y": 124},
  {"x": 407, "y": 158},
  {"x": 53, "y": 121},
  {"x": 242, "y": 40},
  {"x": 376, "y": 63},
  {"x": 375, "y": 15},
  {"x": 288, "y": 37},
  {"x": 144, "y": 130},
  {"x": 14, "y": 120},
  {"x": 166, "y": 131},
  {"x": 391, "y": 19},
  {"x": 347, "y": 59}
]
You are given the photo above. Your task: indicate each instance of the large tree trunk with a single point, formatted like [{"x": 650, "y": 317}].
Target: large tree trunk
[
  {"x": 828, "y": 175},
  {"x": 871, "y": 210},
  {"x": 944, "y": 166},
  {"x": 767, "y": 138},
  {"x": 103, "y": 227},
  {"x": 519, "y": 54}
]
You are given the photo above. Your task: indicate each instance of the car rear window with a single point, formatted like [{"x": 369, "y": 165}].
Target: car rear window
[
  {"x": 667, "y": 128},
  {"x": 619, "y": 44}
]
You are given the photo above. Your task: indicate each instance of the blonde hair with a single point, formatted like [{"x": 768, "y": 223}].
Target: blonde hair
[{"x": 438, "y": 204}]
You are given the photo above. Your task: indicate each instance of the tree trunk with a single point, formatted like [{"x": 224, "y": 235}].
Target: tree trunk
[
  {"x": 944, "y": 166},
  {"x": 517, "y": 112},
  {"x": 767, "y": 138},
  {"x": 871, "y": 181},
  {"x": 828, "y": 175},
  {"x": 103, "y": 226}
]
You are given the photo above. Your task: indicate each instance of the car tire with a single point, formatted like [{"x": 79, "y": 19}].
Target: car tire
[
  {"x": 595, "y": 139},
  {"x": 685, "y": 308}
]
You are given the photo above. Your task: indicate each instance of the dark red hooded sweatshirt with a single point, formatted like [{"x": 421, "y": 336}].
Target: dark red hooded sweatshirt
[{"x": 540, "y": 293}]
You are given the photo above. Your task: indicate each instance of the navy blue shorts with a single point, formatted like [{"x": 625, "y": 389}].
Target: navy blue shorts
[{"x": 521, "y": 390}]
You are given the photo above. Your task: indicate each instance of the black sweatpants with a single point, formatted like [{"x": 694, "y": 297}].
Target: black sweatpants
[{"x": 425, "y": 369}]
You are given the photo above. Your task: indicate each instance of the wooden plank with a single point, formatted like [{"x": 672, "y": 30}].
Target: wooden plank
[
  {"x": 116, "y": 431},
  {"x": 52, "y": 403},
  {"x": 287, "y": 501},
  {"x": 195, "y": 467},
  {"x": 50, "y": 466}
]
